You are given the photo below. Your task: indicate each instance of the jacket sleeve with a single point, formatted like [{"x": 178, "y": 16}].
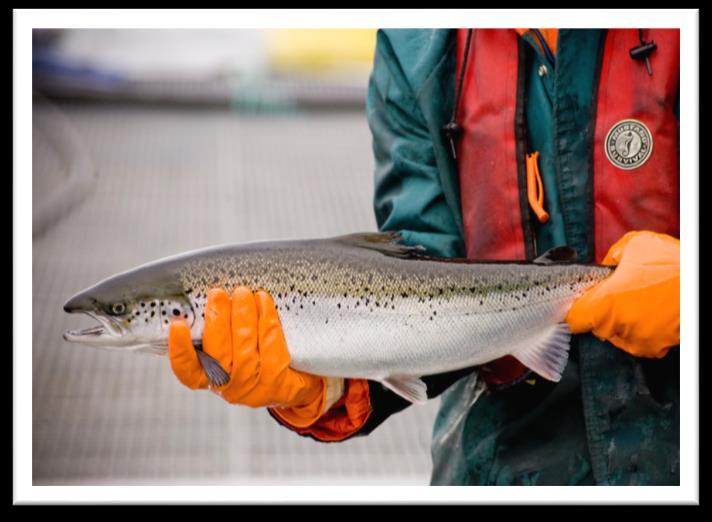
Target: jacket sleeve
[{"x": 408, "y": 199}]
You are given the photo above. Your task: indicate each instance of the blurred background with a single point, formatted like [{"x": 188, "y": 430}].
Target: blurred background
[{"x": 147, "y": 143}]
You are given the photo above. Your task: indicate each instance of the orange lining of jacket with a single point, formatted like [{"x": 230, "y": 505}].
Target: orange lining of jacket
[{"x": 551, "y": 36}]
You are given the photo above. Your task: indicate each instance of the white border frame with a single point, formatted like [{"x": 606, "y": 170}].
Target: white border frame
[{"x": 25, "y": 20}]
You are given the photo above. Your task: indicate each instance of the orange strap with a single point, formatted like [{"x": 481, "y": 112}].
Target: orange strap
[{"x": 535, "y": 188}]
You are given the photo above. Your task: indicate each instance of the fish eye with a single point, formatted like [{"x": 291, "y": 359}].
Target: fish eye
[{"x": 117, "y": 309}]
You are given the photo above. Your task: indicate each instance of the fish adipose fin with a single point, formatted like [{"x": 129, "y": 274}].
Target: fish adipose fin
[
  {"x": 548, "y": 356},
  {"x": 412, "y": 389},
  {"x": 384, "y": 242}
]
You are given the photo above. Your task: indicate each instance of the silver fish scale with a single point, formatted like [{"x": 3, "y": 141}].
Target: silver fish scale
[{"x": 354, "y": 312}]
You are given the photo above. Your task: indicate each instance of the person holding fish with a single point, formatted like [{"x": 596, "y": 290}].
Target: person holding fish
[{"x": 494, "y": 145}]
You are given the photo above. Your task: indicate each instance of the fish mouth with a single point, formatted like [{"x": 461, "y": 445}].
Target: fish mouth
[{"x": 107, "y": 331}]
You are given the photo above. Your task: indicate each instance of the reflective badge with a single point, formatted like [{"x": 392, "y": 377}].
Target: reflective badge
[{"x": 629, "y": 144}]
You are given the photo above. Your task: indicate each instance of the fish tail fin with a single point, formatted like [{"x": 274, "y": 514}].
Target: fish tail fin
[{"x": 549, "y": 354}]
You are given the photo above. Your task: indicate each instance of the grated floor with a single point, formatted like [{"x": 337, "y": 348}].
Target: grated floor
[{"x": 171, "y": 180}]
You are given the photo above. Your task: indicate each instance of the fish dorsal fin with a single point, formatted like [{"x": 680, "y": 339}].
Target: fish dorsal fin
[
  {"x": 548, "y": 355},
  {"x": 411, "y": 388},
  {"x": 556, "y": 255},
  {"x": 385, "y": 242}
]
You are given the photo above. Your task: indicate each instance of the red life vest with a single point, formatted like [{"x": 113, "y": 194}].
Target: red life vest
[{"x": 491, "y": 150}]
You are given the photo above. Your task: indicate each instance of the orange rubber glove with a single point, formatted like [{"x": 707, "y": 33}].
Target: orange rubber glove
[
  {"x": 637, "y": 308},
  {"x": 245, "y": 336}
]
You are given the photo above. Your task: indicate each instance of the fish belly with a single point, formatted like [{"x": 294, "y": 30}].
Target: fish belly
[{"x": 379, "y": 344}]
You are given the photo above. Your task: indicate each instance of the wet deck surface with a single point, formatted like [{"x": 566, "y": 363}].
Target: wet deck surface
[{"x": 170, "y": 180}]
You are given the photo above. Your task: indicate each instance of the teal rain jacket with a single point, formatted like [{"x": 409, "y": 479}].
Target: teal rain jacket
[{"x": 613, "y": 419}]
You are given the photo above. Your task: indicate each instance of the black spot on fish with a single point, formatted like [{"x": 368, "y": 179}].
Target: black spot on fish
[
  {"x": 176, "y": 312},
  {"x": 301, "y": 307},
  {"x": 166, "y": 321},
  {"x": 153, "y": 304},
  {"x": 153, "y": 313},
  {"x": 404, "y": 295},
  {"x": 481, "y": 302},
  {"x": 161, "y": 303},
  {"x": 143, "y": 305},
  {"x": 499, "y": 287},
  {"x": 338, "y": 305},
  {"x": 185, "y": 316},
  {"x": 314, "y": 303},
  {"x": 146, "y": 319},
  {"x": 327, "y": 321},
  {"x": 287, "y": 307},
  {"x": 435, "y": 312},
  {"x": 190, "y": 290},
  {"x": 472, "y": 289},
  {"x": 279, "y": 295}
]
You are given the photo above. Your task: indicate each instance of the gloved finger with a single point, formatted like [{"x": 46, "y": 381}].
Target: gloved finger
[
  {"x": 580, "y": 316},
  {"x": 184, "y": 360},
  {"x": 217, "y": 334},
  {"x": 273, "y": 346},
  {"x": 645, "y": 247},
  {"x": 246, "y": 364},
  {"x": 615, "y": 253}
]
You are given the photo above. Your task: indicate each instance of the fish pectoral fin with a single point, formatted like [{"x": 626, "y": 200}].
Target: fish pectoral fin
[
  {"x": 548, "y": 356},
  {"x": 216, "y": 375},
  {"x": 411, "y": 388}
]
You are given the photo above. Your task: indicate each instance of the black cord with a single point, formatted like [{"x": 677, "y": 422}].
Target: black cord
[
  {"x": 643, "y": 51},
  {"x": 462, "y": 74},
  {"x": 452, "y": 129}
]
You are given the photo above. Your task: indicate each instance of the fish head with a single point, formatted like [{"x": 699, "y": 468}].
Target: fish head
[{"x": 133, "y": 309}]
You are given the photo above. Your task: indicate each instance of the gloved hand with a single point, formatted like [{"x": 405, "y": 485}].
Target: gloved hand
[
  {"x": 245, "y": 336},
  {"x": 637, "y": 308}
]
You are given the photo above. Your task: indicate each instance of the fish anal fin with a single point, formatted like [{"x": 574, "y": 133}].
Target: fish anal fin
[
  {"x": 548, "y": 355},
  {"x": 386, "y": 243},
  {"x": 411, "y": 388}
]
